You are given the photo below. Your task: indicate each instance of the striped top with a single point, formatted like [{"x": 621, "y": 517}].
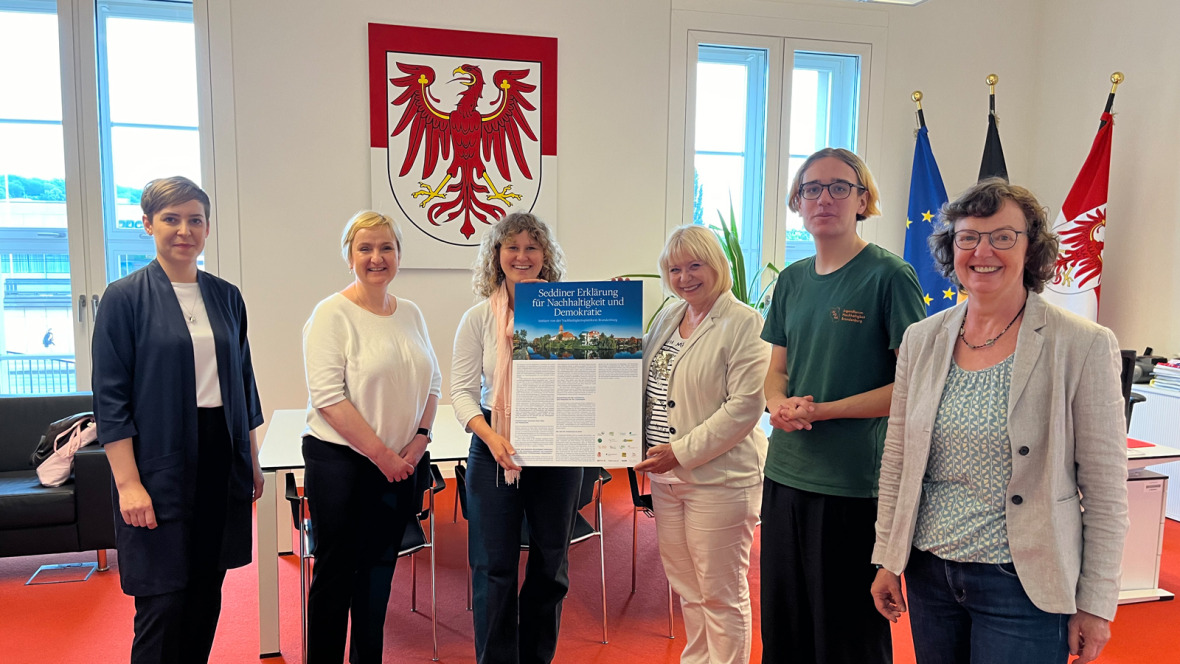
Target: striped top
[{"x": 656, "y": 399}]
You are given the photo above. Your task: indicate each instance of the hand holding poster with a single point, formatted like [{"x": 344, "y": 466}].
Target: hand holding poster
[{"x": 576, "y": 384}]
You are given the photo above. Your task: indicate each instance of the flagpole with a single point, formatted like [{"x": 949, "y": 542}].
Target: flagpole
[
  {"x": 1115, "y": 79},
  {"x": 992, "y": 79},
  {"x": 917, "y": 97}
]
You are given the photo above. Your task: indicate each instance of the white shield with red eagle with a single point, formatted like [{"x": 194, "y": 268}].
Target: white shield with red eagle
[
  {"x": 1077, "y": 274},
  {"x": 466, "y": 140},
  {"x": 1081, "y": 230}
]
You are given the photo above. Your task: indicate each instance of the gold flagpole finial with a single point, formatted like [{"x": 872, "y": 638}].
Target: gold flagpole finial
[
  {"x": 1115, "y": 79},
  {"x": 917, "y": 97},
  {"x": 992, "y": 79}
]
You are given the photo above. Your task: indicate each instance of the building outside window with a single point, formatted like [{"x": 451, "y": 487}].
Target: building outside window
[{"x": 70, "y": 224}]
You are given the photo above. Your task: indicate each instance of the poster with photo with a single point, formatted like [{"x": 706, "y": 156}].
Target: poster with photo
[{"x": 576, "y": 374}]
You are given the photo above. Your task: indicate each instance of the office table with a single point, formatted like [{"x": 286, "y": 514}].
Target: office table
[
  {"x": 281, "y": 452},
  {"x": 1146, "y": 493}
]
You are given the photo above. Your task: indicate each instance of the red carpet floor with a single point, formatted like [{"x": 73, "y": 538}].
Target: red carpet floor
[{"x": 91, "y": 621}]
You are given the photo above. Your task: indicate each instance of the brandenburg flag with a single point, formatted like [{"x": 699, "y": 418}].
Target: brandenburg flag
[{"x": 1081, "y": 228}]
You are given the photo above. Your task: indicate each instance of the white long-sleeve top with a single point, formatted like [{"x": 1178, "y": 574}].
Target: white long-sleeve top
[
  {"x": 384, "y": 365},
  {"x": 473, "y": 363}
]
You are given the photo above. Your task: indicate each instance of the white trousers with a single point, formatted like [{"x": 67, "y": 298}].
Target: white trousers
[{"x": 705, "y": 533}]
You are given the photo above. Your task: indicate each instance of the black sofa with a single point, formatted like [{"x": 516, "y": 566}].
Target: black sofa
[{"x": 76, "y": 516}]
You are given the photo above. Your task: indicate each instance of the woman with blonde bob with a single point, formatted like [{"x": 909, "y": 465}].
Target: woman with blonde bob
[
  {"x": 373, "y": 385},
  {"x": 704, "y": 366},
  {"x": 518, "y": 249}
]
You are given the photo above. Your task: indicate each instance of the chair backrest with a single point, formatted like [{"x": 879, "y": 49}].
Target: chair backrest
[
  {"x": 1128, "y": 380},
  {"x": 461, "y": 487},
  {"x": 591, "y": 475},
  {"x": 295, "y": 500},
  {"x": 638, "y": 499}
]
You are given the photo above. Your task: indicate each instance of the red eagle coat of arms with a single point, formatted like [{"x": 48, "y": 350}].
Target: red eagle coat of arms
[{"x": 466, "y": 138}]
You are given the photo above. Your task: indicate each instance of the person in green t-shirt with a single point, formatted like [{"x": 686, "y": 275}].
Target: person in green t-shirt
[{"x": 835, "y": 323}]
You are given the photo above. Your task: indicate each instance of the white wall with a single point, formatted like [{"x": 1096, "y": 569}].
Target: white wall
[
  {"x": 1082, "y": 43},
  {"x": 301, "y": 121}
]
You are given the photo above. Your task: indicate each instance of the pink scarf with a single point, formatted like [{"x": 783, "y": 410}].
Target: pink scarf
[{"x": 502, "y": 383}]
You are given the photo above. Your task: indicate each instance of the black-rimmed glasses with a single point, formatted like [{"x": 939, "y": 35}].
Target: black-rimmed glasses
[
  {"x": 838, "y": 190},
  {"x": 1005, "y": 238}
]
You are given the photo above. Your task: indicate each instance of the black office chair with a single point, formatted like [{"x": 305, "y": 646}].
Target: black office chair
[
  {"x": 414, "y": 539},
  {"x": 590, "y": 492},
  {"x": 1128, "y": 379},
  {"x": 643, "y": 504}
]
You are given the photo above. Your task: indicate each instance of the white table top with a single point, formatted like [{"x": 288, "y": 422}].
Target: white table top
[
  {"x": 282, "y": 447},
  {"x": 1140, "y": 457}
]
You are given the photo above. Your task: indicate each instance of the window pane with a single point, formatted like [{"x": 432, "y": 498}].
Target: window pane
[
  {"x": 147, "y": 59},
  {"x": 37, "y": 330},
  {"x": 152, "y": 72},
  {"x": 824, "y": 110},
  {"x": 720, "y": 180},
  {"x": 721, "y": 107},
  {"x": 31, "y": 81},
  {"x": 804, "y": 98}
]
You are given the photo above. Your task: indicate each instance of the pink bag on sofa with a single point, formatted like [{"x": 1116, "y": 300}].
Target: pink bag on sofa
[{"x": 56, "y": 468}]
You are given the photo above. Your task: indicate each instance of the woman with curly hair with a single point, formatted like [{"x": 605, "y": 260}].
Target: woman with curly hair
[
  {"x": 1003, "y": 481},
  {"x": 518, "y": 249}
]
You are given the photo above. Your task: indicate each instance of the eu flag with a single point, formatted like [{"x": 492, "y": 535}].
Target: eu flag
[{"x": 927, "y": 195}]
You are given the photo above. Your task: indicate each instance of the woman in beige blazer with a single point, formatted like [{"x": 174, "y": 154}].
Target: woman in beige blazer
[
  {"x": 704, "y": 364},
  {"x": 1004, "y": 408}
]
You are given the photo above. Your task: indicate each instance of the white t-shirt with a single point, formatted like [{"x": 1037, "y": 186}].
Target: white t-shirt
[
  {"x": 196, "y": 318},
  {"x": 384, "y": 365}
]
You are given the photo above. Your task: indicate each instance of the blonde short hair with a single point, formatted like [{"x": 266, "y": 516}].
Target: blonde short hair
[
  {"x": 863, "y": 175},
  {"x": 487, "y": 275},
  {"x": 695, "y": 243},
  {"x": 367, "y": 219}
]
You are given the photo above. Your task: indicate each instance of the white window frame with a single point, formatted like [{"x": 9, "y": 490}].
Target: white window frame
[
  {"x": 84, "y": 161},
  {"x": 855, "y": 31}
]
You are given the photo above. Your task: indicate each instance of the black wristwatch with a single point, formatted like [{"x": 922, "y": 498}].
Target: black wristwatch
[{"x": 425, "y": 432}]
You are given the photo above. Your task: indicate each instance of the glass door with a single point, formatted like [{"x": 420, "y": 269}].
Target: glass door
[{"x": 38, "y": 327}]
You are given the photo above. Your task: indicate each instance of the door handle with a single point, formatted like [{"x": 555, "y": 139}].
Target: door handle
[
  {"x": 81, "y": 308},
  {"x": 93, "y": 307}
]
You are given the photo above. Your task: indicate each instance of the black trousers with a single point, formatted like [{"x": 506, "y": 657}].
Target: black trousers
[
  {"x": 358, "y": 519},
  {"x": 512, "y": 629},
  {"x": 179, "y": 626},
  {"x": 816, "y": 575}
]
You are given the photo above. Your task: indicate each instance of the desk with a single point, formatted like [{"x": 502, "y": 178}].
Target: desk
[
  {"x": 1146, "y": 492},
  {"x": 281, "y": 452}
]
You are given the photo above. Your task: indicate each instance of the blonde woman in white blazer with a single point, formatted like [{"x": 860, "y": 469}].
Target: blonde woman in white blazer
[
  {"x": 704, "y": 366},
  {"x": 980, "y": 478}
]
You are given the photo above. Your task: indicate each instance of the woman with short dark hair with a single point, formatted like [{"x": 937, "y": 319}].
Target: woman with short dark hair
[{"x": 176, "y": 405}]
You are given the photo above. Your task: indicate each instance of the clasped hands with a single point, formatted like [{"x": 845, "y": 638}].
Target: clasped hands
[
  {"x": 794, "y": 414},
  {"x": 398, "y": 466}
]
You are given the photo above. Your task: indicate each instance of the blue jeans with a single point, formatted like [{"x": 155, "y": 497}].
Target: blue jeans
[
  {"x": 508, "y": 629},
  {"x": 978, "y": 613}
]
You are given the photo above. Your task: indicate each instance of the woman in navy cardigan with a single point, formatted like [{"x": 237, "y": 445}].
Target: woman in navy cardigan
[{"x": 176, "y": 405}]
